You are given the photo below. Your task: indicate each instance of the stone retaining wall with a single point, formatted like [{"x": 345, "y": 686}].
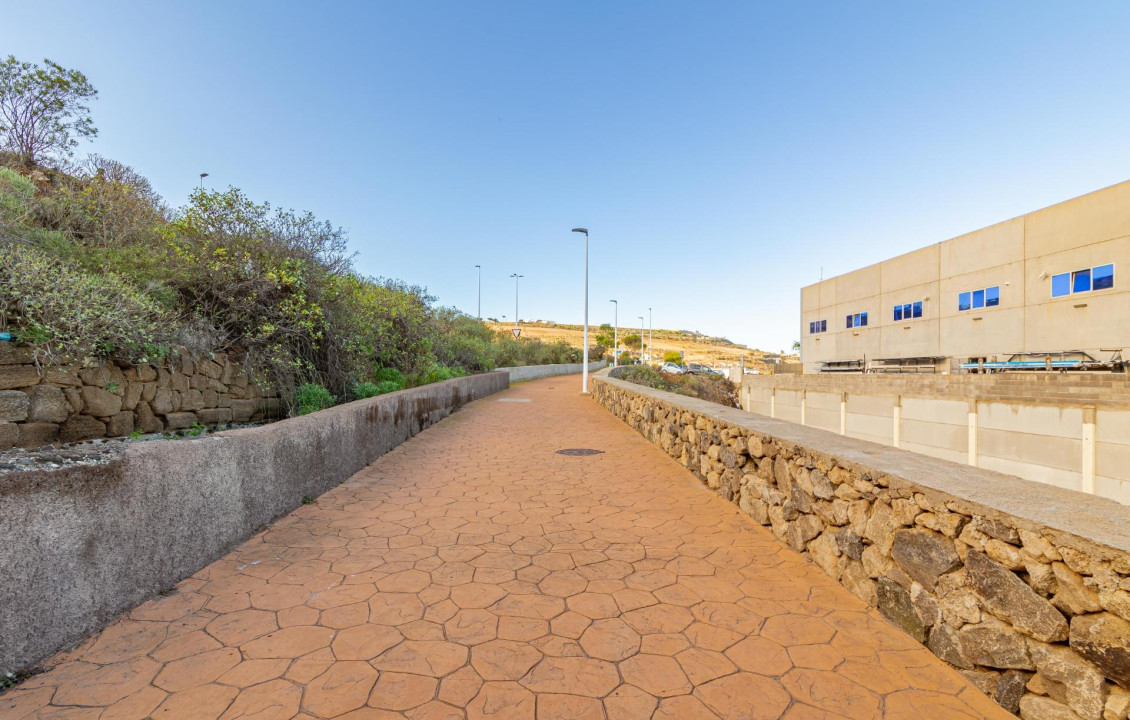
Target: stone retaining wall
[
  {"x": 84, "y": 543},
  {"x": 1023, "y": 587},
  {"x": 41, "y": 406}
]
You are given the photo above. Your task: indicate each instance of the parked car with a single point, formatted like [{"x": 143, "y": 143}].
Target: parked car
[
  {"x": 672, "y": 368},
  {"x": 697, "y": 369}
]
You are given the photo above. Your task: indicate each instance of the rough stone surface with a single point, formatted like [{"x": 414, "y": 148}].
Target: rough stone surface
[
  {"x": 81, "y": 427},
  {"x": 1085, "y": 689},
  {"x": 47, "y": 403},
  {"x": 1104, "y": 639},
  {"x": 896, "y": 606},
  {"x": 1035, "y": 707},
  {"x": 13, "y": 406},
  {"x": 994, "y": 644},
  {"x": 924, "y": 555},
  {"x": 100, "y": 402},
  {"x": 180, "y": 420},
  {"x": 1009, "y": 598}
]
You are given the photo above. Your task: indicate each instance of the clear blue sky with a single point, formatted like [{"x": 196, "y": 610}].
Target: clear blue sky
[{"x": 720, "y": 153}]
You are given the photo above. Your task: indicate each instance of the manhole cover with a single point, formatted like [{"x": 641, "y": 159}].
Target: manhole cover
[{"x": 579, "y": 451}]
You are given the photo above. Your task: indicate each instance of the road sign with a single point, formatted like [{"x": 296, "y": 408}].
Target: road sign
[{"x": 517, "y": 332}]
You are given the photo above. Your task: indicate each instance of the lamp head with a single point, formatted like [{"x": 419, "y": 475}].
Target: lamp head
[
  {"x": 203, "y": 175},
  {"x": 584, "y": 230}
]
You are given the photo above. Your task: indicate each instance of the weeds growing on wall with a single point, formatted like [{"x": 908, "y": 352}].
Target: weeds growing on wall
[{"x": 704, "y": 387}]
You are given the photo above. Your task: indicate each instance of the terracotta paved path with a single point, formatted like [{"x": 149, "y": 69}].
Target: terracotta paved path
[{"x": 474, "y": 573}]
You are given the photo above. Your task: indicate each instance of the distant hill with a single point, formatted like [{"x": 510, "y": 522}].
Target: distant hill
[{"x": 695, "y": 346}]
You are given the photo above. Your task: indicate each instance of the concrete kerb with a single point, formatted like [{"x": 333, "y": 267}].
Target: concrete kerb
[{"x": 85, "y": 543}]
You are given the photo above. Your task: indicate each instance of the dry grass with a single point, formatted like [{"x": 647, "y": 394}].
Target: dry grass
[{"x": 715, "y": 352}]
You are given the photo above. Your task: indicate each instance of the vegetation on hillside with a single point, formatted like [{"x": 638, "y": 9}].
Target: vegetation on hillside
[
  {"x": 93, "y": 263},
  {"x": 713, "y": 388}
]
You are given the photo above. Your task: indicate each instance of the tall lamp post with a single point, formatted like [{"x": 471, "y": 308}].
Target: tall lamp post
[
  {"x": 615, "y": 331},
  {"x": 517, "y": 332},
  {"x": 650, "y": 338},
  {"x": 642, "y": 333},
  {"x": 202, "y": 176},
  {"x": 480, "y": 269},
  {"x": 585, "y": 369}
]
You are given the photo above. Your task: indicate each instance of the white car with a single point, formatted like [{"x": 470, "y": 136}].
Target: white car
[{"x": 672, "y": 368}]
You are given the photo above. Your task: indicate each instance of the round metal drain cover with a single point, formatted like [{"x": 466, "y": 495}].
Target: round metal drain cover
[{"x": 579, "y": 451}]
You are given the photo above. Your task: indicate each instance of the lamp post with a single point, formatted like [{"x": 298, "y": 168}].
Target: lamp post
[
  {"x": 480, "y": 269},
  {"x": 517, "y": 332},
  {"x": 202, "y": 176},
  {"x": 650, "y": 338},
  {"x": 615, "y": 332},
  {"x": 585, "y": 369},
  {"x": 641, "y": 337}
]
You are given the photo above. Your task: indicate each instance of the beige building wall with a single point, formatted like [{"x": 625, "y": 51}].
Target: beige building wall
[{"x": 1019, "y": 256}]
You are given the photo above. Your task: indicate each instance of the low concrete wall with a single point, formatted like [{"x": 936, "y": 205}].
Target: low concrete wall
[
  {"x": 82, "y": 544},
  {"x": 1064, "y": 430},
  {"x": 533, "y": 372},
  {"x": 1023, "y": 587}
]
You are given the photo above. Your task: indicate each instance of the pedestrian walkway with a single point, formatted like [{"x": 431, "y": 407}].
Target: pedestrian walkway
[{"x": 474, "y": 572}]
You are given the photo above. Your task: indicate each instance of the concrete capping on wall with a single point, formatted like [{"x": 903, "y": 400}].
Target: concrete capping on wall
[
  {"x": 533, "y": 372},
  {"x": 1022, "y": 587},
  {"x": 85, "y": 543}
]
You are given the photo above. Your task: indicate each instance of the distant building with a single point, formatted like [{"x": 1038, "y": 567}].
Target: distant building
[{"x": 1039, "y": 288}]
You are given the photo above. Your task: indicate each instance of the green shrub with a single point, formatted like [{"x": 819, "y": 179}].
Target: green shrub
[
  {"x": 17, "y": 197},
  {"x": 438, "y": 373},
  {"x": 672, "y": 356},
  {"x": 390, "y": 375},
  {"x": 370, "y": 389},
  {"x": 311, "y": 397}
]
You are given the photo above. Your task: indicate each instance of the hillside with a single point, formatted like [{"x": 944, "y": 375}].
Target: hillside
[{"x": 696, "y": 347}]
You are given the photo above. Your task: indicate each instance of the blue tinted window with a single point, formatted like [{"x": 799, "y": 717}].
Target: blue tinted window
[
  {"x": 918, "y": 309},
  {"x": 1080, "y": 281},
  {"x": 849, "y": 321},
  {"x": 823, "y": 326},
  {"x": 811, "y": 328},
  {"x": 898, "y": 312},
  {"x": 978, "y": 298},
  {"x": 1102, "y": 277},
  {"x": 963, "y": 301},
  {"x": 863, "y": 317},
  {"x": 992, "y": 296},
  {"x": 1061, "y": 285}
]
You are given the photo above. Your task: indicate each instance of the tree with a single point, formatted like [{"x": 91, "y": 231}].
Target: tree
[
  {"x": 796, "y": 346},
  {"x": 673, "y": 356},
  {"x": 631, "y": 341},
  {"x": 605, "y": 336},
  {"x": 43, "y": 110}
]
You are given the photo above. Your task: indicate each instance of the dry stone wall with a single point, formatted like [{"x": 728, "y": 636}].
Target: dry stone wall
[
  {"x": 1023, "y": 588},
  {"x": 45, "y": 405}
]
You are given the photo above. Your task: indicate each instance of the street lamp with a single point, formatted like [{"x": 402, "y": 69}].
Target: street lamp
[
  {"x": 650, "y": 338},
  {"x": 585, "y": 369},
  {"x": 517, "y": 332},
  {"x": 480, "y": 269},
  {"x": 615, "y": 331},
  {"x": 641, "y": 338},
  {"x": 202, "y": 176}
]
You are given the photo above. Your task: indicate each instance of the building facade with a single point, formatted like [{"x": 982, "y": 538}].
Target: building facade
[{"x": 1040, "y": 287}]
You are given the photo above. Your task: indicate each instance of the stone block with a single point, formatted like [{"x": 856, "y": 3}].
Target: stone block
[
  {"x": 1117, "y": 602},
  {"x": 145, "y": 420},
  {"x": 148, "y": 391},
  {"x": 99, "y": 402},
  {"x": 880, "y": 527},
  {"x": 181, "y": 420},
  {"x": 162, "y": 403},
  {"x": 9, "y": 435},
  {"x": 855, "y": 579},
  {"x": 95, "y": 376},
  {"x": 826, "y": 555},
  {"x": 895, "y": 604},
  {"x": 1086, "y": 690},
  {"x": 47, "y": 404},
  {"x": 13, "y": 406},
  {"x": 849, "y": 543},
  {"x": 1009, "y": 689},
  {"x": 74, "y": 399},
  {"x": 924, "y": 555},
  {"x": 178, "y": 382},
  {"x": 1008, "y": 597},
  {"x": 1035, "y": 707},
  {"x": 146, "y": 373},
  {"x": 81, "y": 427},
  {"x": 243, "y": 410},
  {"x": 132, "y": 395},
  {"x": 214, "y": 416},
  {"x": 944, "y": 643},
  {"x": 191, "y": 401},
  {"x": 211, "y": 398},
  {"x": 12, "y": 354},
  {"x": 1104, "y": 639},
  {"x": 803, "y": 529},
  {"x": 18, "y": 376},
  {"x": 120, "y": 425},
  {"x": 1072, "y": 596},
  {"x": 209, "y": 368},
  {"x": 994, "y": 644},
  {"x": 64, "y": 375}
]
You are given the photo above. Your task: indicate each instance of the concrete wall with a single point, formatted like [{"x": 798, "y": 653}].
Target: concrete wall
[
  {"x": 1019, "y": 256},
  {"x": 1023, "y": 588},
  {"x": 1072, "y": 431},
  {"x": 533, "y": 372},
  {"x": 84, "y": 543}
]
